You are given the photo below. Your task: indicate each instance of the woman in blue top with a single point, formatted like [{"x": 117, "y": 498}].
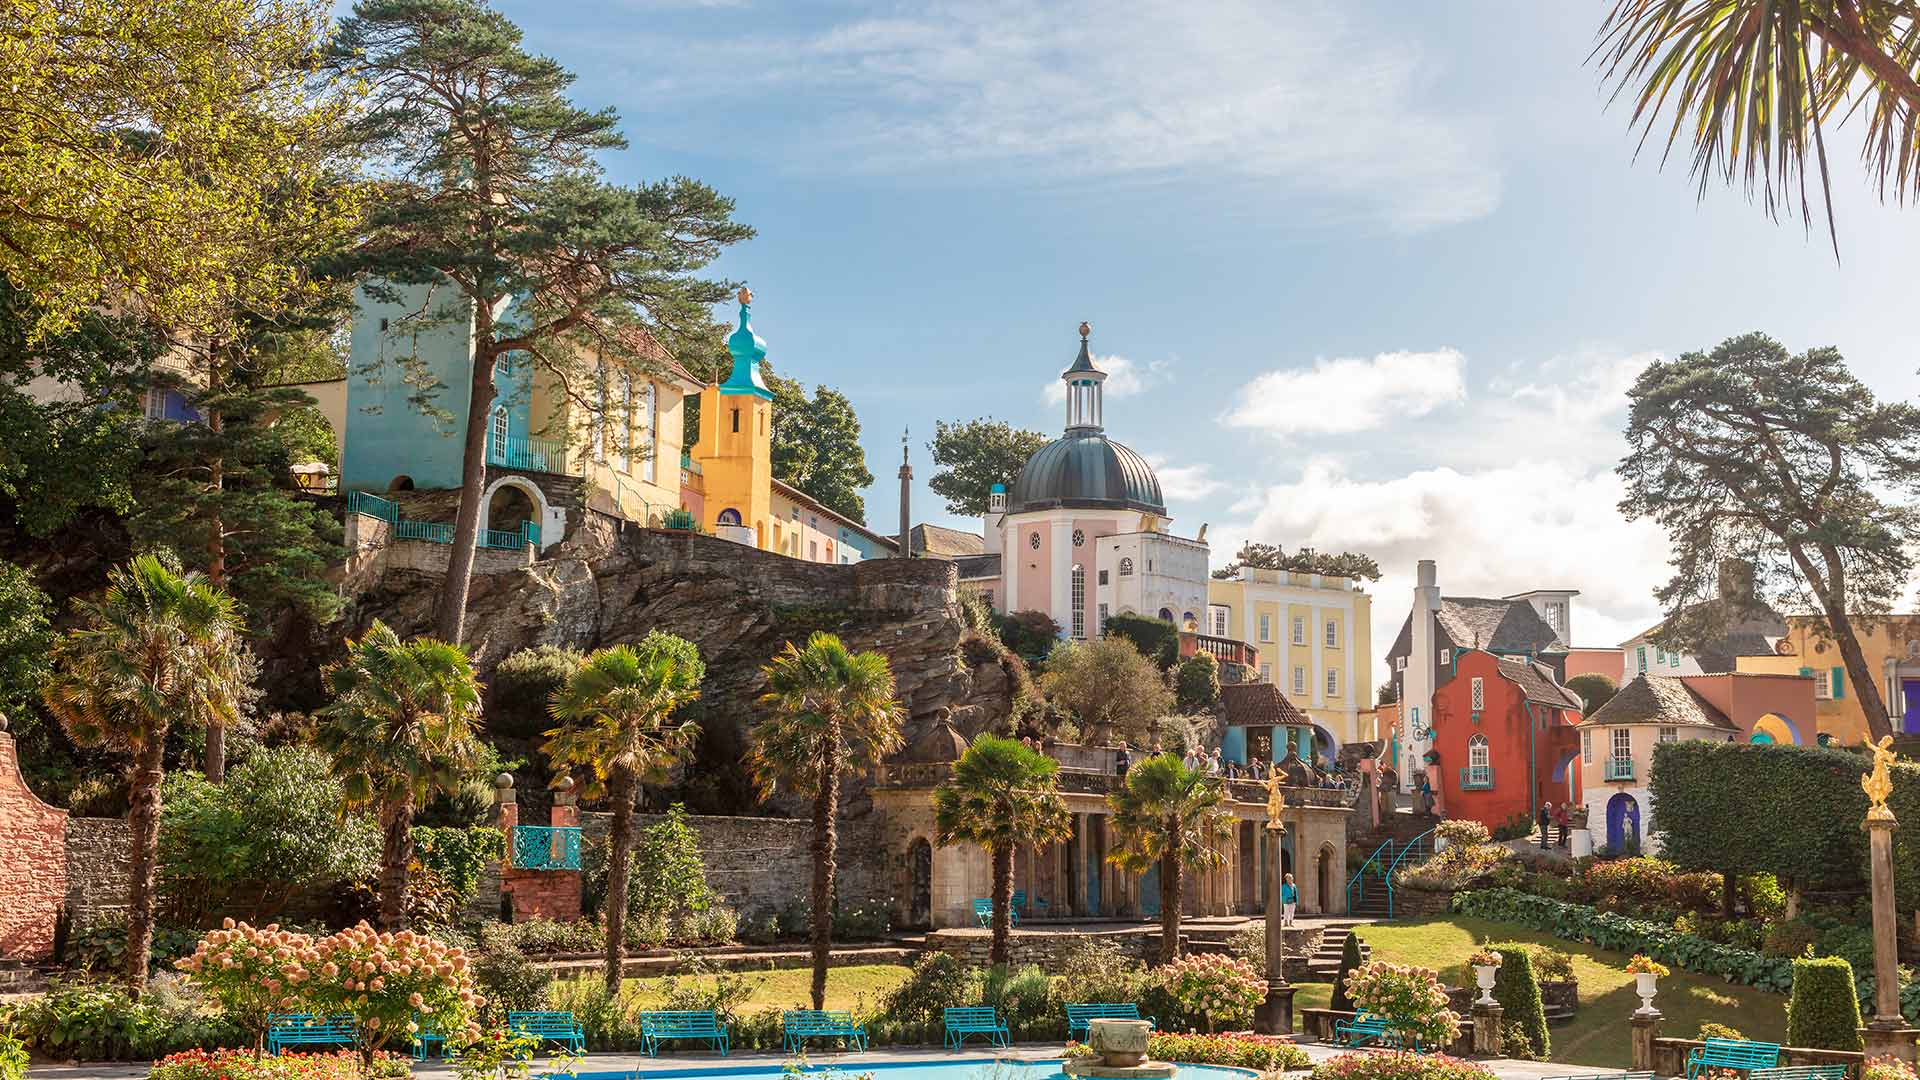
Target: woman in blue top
[{"x": 1289, "y": 896}]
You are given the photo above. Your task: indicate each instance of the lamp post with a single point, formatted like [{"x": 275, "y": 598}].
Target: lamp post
[
  {"x": 1887, "y": 1033},
  {"x": 1275, "y": 1014}
]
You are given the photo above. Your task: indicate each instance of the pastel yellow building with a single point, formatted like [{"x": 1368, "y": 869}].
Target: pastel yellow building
[
  {"x": 1892, "y": 648},
  {"x": 1314, "y": 634}
]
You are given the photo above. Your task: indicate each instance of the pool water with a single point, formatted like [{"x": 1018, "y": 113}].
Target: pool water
[{"x": 967, "y": 1069}]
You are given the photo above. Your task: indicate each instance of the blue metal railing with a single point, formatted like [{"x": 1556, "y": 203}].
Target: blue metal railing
[
  {"x": 1358, "y": 881},
  {"x": 1420, "y": 846},
  {"x": 1619, "y": 768},
  {"x": 1384, "y": 862},
  {"x": 529, "y": 452},
  {"x": 678, "y": 519},
  {"x": 373, "y": 506},
  {"x": 502, "y": 539},
  {"x": 434, "y": 532},
  {"x": 530, "y": 532},
  {"x": 687, "y": 464},
  {"x": 546, "y": 847},
  {"x": 1476, "y": 777}
]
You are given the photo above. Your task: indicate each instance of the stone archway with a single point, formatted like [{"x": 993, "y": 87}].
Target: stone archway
[
  {"x": 1323, "y": 878},
  {"x": 510, "y": 505},
  {"x": 1623, "y": 822}
]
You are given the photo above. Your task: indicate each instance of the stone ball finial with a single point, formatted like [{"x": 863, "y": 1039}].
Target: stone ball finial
[
  {"x": 563, "y": 782},
  {"x": 503, "y": 781},
  {"x": 746, "y": 295},
  {"x": 1085, "y": 329}
]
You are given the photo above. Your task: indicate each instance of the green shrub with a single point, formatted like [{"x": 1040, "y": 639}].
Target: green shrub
[
  {"x": 939, "y": 981},
  {"x": 1349, "y": 959},
  {"x": 242, "y": 1065},
  {"x": 1824, "y": 1011},
  {"x": 1096, "y": 969},
  {"x": 1196, "y": 683},
  {"x": 1518, "y": 826},
  {"x": 1157, "y": 639},
  {"x": 522, "y": 685},
  {"x": 1237, "y": 1051},
  {"x": 507, "y": 979},
  {"x": 1026, "y": 1001},
  {"x": 1517, "y": 990},
  {"x": 1410, "y": 999},
  {"x": 1515, "y": 1043},
  {"x": 699, "y": 986},
  {"x": 100, "y": 1022},
  {"x": 1648, "y": 887},
  {"x": 869, "y": 920},
  {"x": 459, "y": 855},
  {"x": 1711, "y": 1030}
]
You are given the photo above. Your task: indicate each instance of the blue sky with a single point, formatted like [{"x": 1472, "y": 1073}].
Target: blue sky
[{"x": 1369, "y": 275}]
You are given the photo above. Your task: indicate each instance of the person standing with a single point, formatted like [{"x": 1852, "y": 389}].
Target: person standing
[
  {"x": 1289, "y": 899},
  {"x": 1564, "y": 820},
  {"x": 1545, "y": 819}
]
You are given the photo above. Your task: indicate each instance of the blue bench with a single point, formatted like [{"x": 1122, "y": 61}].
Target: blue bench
[
  {"x": 799, "y": 1025},
  {"x": 700, "y": 1025},
  {"x": 306, "y": 1029},
  {"x": 975, "y": 1020},
  {"x": 424, "y": 1039},
  {"x": 559, "y": 1028},
  {"x": 983, "y": 913},
  {"x": 1078, "y": 1015},
  {"x": 1021, "y": 904},
  {"x": 1732, "y": 1054},
  {"x": 1365, "y": 1029}
]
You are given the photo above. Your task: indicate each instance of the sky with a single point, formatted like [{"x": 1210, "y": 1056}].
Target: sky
[{"x": 1367, "y": 276}]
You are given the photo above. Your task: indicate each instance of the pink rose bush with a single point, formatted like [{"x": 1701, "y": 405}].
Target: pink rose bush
[
  {"x": 1410, "y": 999},
  {"x": 1216, "y": 986}
]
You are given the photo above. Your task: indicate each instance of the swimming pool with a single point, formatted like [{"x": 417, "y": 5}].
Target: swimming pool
[{"x": 964, "y": 1069}]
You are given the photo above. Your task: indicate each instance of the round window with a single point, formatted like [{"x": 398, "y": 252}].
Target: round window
[
  {"x": 1033, "y": 541},
  {"x": 1079, "y": 538}
]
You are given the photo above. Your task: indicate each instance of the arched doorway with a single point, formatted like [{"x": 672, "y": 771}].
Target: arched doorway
[
  {"x": 1166, "y": 614},
  {"x": 920, "y": 894},
  {"x": 729, "y": 516},
  {"x": 509, "y": 507},
  {"x": 1623, "y": 822},
  {"x": 403, "y": 482},
  {"x": 1775, "y": 728},
  {"x": 1323, "y": 878}
]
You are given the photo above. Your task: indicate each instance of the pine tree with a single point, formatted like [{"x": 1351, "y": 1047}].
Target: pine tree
[{"x": 496, "y": 195}]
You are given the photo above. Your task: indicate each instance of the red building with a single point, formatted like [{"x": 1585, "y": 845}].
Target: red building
[{"x": 1504, "y": 740}]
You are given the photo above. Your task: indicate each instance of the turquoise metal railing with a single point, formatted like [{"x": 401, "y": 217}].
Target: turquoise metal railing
[
  {"x": 1357, "y": 884},
  {"x": 1382, "y": 863},
  {"x": 687, "y": 464},
  {"x": 503, "y": 539},
  {"x": 373, "y": 506},
  {"x": 678, "y": 519},
  {"x": 546, "y": 847},
  {"x": 436, "y": 532},
  {"x": 530, "y": 532},
  {"x": 1420, "y": 846},
  {"x": 1619, "y": 768},
  {"x": 1476, "y": 777},
  {"x": 528, "y": 452}
]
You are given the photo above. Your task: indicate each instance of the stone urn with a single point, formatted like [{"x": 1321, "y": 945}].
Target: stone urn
[
  {"x": 1645, "y": 982},
  {"x": 1121, "y": 1044},
  {"x": 1483, "y": 976}
]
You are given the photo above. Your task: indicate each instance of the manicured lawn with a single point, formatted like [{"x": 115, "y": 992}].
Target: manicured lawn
[
  {"x": 1598, "y": 1033},
  {"x": 861, "y": 986}
]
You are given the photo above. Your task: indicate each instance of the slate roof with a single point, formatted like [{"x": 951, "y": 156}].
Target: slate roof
[
  {"x": 938, "y": 542},
  {"x": 977, "y": 567},
  {"x": 1259, "y": 704},
  {"x": 1487, "y": 623},
  {"x": 1659, "y": 699},
  {"x": 1537, "y": 684},
  {"x": 1750, "y": 632}
]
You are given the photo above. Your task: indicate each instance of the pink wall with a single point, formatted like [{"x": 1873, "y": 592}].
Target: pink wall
[
  {"x": 1035, "y": 579},
  {"x": 1608, "y": 662}
]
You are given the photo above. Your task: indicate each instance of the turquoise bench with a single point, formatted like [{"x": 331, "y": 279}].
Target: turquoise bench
[
  {"x": 424, "y": 1039},
  {"x": 1732, "y": 1054},
  {"x": 305, "y": 1029},
  {"x": 1800, "y": 1072},
  {"x": 700, "y": 1025},
  {"x": 799, "y": 1025},
  {"x": 983, "y": 913},
  {"x": 1078, "y": 1015},
  {"x": 975, "y": 1020},
  {"x": 1365, "y": 1029},
  {"x": 559, "y": 1028}
]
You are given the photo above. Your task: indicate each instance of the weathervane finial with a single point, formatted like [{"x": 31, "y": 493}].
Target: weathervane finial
[
  {"x": 1084, "y": 330},
  {"x": 746, "y": 295}
]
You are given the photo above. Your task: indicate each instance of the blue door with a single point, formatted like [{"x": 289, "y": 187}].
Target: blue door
[
  {"x": 1623, "y": 822},
  {"x": 1911, "y": 688}
]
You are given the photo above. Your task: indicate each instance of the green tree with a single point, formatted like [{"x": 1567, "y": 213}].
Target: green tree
[
  {"x": 1110, "y": 688},
  {"x": 140, "y": 135},
  {"x": 26, "y": 636},
  {"x": 1788, "y": 463},
  {"x": 1347, "y": 564},
  {"x": 1349, "y": 959},
  {"x": 1594, "y": 689},
  {"x": 1386, "y": 694},
  {"x": 616, "y": 719},
  {"x": 833, "y": 710},
  {"x": 1157, "y": 639},
  {"x": 816, "y": 446},
  {"x": 1751, "y": 83},
  {"x": 1173, "y": 816},
  {"x": 1030, "y": 634},
  {"x": 974, "y": 455},
  {"x": 1517, "y": 989},
  {"x": 161, "y": 650},
  {"x": 400, "y": 728},
  {"x": 1196, "y": 683},
  {"x": 1002, "y": 794},
  {"x": 496, "y": 194}
]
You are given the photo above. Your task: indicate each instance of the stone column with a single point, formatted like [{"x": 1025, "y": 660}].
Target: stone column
[
  {"x": 1486, "y": 1030},
  {"x": 1275, "y": 1015},
  {"x": 1645, "y": 1025},
  {"x": 1887, "y": 1033}
]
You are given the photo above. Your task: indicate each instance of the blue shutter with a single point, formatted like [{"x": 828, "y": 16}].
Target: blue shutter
[{"x": 1839, "y": 683}]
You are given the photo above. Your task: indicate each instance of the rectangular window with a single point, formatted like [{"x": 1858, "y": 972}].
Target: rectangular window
[
  {"x": 1266, "y": 672},
  {"x": 1479, "y": 693},
  {"x": 1103, "y": 619},
  {"x": 1333, "y": 682},
  {"x": 1640, "y": 658},
  {"x": 1586, "y": 748},
  {"x": 1217, "y": 617},
  {"x": 813, "y": 551},
  {"x": 1103, "y": 577},
  {"x": 1622, "y": 744},
  {"x": 736, "y": 421},
  {"x": 649, "y": 440},
  {"x": 1446, "y": 656},
  {"x": 1079, "y": 602},
  {"x": 1399, "y": 663},
  {"x": 599, "y": 418},
  {"x": 1299, "y": 680},
  {"x": 1669, "y": 734},
  {"x": 1266, "y": 628},
  {"x": 1333, "y": 634},
  {"x": 1299, "y": 630},
  {"x": 626, "y": 428}
]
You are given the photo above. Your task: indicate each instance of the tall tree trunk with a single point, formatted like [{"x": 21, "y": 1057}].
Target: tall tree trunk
[
  {"x": 1866, "y": 683},
  {"x": 619, "y": 870},
  {"x": 1171, "y": 887},
  {"x": 216, "y": 758},
  {"x": 143, "y": 821},
  {"x": 826, "y": 806},
  {"x": 1002, "y": 904},
  {"x": 396, "y": 851},
  {"x": 450, "y": 618}
]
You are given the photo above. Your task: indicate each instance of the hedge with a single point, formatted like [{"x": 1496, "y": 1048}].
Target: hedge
[
  {"x": 1517, "y": 990},
  {"x": 1823, "y": 1012}
]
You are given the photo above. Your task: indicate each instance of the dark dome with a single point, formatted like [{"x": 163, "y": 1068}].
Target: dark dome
[{"x": 1086, "y": 469}]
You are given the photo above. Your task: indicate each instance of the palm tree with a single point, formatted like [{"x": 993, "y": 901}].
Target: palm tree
[
  {"x": 162, "y": 649},
  {"x": 1753, "y": 81},
  {"x": 832, "y": 710},
  {"x": 400, "y": 730},
  {"x": 1175, "y": 816},
  {"x": 616, "y": 719},
  {"x": 1002, "y": 794}
]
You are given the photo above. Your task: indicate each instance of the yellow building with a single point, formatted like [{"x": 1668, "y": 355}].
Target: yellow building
[
  {"x": 1892, "y": 650},
  {"x": 1314, "y": 634}
]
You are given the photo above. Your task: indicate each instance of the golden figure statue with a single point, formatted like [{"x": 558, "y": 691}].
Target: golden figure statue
[
  {"x": 1276, "y": 800},
  {"x": 1879, "y": 783}
]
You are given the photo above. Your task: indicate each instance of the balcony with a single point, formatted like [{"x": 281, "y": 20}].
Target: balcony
[
  {"x": 1476, "y": 778},
  {"x": 546, "y": 847},
  {"x": 1224, "y": 650},
  {"x": 1619, "y": 768},
  {"x": 527, "y": 452}
]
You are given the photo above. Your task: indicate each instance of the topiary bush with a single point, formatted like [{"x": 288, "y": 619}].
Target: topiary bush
[
  {"x": 1398, "y": 1065},
  {"x": 1823, "y": 1012},
  {"x": 1097, "y": 969},
  {"x": 1517, "y": 990},
  {"x": 1349, "y": 959}
]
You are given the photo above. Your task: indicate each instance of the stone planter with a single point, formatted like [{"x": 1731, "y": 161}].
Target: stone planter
[
  {"x": 1645, "y": 983},
  {"x": 1483, "y": 976}
]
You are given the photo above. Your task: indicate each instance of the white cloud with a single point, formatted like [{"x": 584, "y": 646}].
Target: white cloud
[
  {"x": 1124, "y": 378},
  {"x": 1349, "y": 394},
  {"x": 1304, "y": 98},
  {"x": 1184, "y": 482}
]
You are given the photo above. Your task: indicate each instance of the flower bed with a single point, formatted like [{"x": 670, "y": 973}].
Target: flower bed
[
  {"x": 1399, "y": 1065},
  {"x": 242, "y": 1065},
  {"x": 1243, "y": 1050}
]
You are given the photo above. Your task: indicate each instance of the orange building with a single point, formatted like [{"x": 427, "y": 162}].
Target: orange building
[{"x": 1504, "y": 740}]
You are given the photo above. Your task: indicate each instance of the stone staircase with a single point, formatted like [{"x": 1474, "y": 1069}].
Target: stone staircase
[
  {"x": 1325, "y": 961},
  {"x": 1403, "y": 838}
]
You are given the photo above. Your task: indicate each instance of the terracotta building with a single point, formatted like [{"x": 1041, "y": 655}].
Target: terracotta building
[{"x": 1504, "y": 740}]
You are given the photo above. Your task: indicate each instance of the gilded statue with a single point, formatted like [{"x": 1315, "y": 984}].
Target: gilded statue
[
  {"x": 1879, "y": 783},
  {"x": 1276, "y": 799}
]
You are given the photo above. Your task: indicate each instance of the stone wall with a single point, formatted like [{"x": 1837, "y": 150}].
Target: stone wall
[
  {"x": 33, "y": 870},
  {"x": 1416, "y": 903},
  {"x": 97, "y": 854},
  {"x": 1670, "y": 1057},
  {"x": 762, "y": 864}
]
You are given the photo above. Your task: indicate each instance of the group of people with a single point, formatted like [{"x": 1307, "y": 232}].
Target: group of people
[{"x": 1550, "y": 817}]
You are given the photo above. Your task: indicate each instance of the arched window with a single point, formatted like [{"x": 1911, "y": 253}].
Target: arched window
[
  {"x": 1079, "y": 601},
  {"x": 1167, "y": 614},
  {"x": 497, "y": 436},
  {"x": 1126, "y": 567},
  {"x": 1479, "y": 763},
  {"x": 728, "y": 516}
]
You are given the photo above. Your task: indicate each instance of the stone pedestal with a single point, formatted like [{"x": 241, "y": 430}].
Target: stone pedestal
[
  {"x": 1645, "y": 1025},
  {"x": 1486, "y": 1030},
  {"x": 1896, "y": 1041},
  {"x": 1275, "y": 1015}
]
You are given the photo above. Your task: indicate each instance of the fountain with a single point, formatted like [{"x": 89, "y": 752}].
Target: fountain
[{"x": 1120, "y": 1053}]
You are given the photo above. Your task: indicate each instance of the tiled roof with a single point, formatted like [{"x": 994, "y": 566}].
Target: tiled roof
[
  {"x": 938, "y": 542},
  {"x": 976, "y": 567},
  {"x": 1259, "y": 704},
  {"x": 845, "y": 522},
  {"x": 1537, "y": 684},
  {"x": 1494, "y": 625},
  {"x": 1749, "y": 632},
  {"x": 1659, "y": 699}
]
